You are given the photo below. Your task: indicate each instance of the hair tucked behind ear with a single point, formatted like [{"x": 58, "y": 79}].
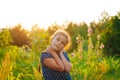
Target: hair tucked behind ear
[{"x": 64, "y": 33}]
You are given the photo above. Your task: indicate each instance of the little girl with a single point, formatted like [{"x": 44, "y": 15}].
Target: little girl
[{"x": 55, "y": 62}]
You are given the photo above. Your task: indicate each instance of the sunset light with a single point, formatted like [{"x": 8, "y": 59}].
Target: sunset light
[
  {"x": 47, "y": 12},
  {"x": 59, "y": 39}
]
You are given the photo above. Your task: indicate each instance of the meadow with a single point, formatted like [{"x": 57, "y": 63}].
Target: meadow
[
  {"x": 17, "y": 63},
  {"x": 88, "y": 58}
]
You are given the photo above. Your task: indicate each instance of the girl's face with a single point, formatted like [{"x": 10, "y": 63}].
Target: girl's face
[{"x": 59, "y": 42}]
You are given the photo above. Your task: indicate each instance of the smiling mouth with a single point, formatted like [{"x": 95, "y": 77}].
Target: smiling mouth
[{"x": 57, "y": 46}]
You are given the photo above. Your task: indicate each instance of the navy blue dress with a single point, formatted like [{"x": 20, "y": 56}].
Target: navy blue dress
[{"x": 50, "y": 74}]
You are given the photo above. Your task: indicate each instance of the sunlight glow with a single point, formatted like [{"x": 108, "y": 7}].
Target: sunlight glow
[{"x": 47, "y": 12}]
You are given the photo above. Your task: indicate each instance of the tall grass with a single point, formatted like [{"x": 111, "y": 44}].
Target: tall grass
[
  {"x": 91, "y": 64},
  {"x": 5, "y": 67},
  {"x": 88, "y": 62},
  {"x": 19, "y": 64}
]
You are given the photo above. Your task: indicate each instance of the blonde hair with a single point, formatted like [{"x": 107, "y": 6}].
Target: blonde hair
[{"x": 64, "y": 33}]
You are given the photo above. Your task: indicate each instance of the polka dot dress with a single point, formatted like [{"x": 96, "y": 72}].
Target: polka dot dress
[{"x": 50, "y": 74}]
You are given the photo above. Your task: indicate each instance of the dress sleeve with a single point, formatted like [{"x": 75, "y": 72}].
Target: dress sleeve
[
  {"x": 66, "y": 56},
  {"x": 45, "y": 55}
]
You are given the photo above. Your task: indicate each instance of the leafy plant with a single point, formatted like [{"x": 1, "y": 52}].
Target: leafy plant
[{"x": 5, "y": 38}]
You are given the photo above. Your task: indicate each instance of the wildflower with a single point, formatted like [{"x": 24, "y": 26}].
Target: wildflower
[
  {"x": 102, "y": 46},
  {"x": 89, "y": 31},
  {"x": 73, "y": 54},
  {"x": 98, "y": 37},
  {"x": 77, "y": 38}
]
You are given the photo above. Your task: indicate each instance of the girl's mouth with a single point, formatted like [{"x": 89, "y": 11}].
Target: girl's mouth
[{"x": 57, "y": 46}]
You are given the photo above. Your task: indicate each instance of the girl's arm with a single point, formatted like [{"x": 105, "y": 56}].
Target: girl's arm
[
  {"x": 66, "y": 63},
  {"x": 54, "y": 63}
]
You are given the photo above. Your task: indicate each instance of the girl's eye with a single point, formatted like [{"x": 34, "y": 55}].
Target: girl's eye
[
  {"x": 58, "y": 39},
  {"x": 63, "y": 43}
]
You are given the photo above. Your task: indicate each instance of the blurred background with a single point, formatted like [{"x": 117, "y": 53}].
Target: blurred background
[{"x": 26, "y": 27}]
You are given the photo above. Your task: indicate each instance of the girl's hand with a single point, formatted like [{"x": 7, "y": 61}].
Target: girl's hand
[
  {"x": 61, "y": 52},
  {"x": 49, "y": 49},
  {"x": 66, "y": 63},
  {"x": 54, "y": 63}
]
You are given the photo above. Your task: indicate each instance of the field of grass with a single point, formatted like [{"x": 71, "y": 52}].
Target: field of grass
[{"x": 21, "y": 64}]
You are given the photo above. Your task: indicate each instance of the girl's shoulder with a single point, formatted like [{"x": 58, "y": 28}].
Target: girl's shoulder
[{"x": 46, "y": 54}]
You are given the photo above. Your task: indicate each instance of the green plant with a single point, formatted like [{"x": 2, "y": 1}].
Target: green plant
[
  {"x": 110, "y": 37},
  {"x": 5, "y": 38}
]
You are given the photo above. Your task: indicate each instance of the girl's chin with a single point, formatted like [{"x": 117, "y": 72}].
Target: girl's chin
[{"x": 56, "y": 49}]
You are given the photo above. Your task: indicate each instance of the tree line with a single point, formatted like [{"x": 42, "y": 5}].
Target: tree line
[{"x": 108, "y": 28}]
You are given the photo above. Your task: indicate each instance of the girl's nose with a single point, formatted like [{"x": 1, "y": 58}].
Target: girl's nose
[{"x": 59, "y": 42}]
